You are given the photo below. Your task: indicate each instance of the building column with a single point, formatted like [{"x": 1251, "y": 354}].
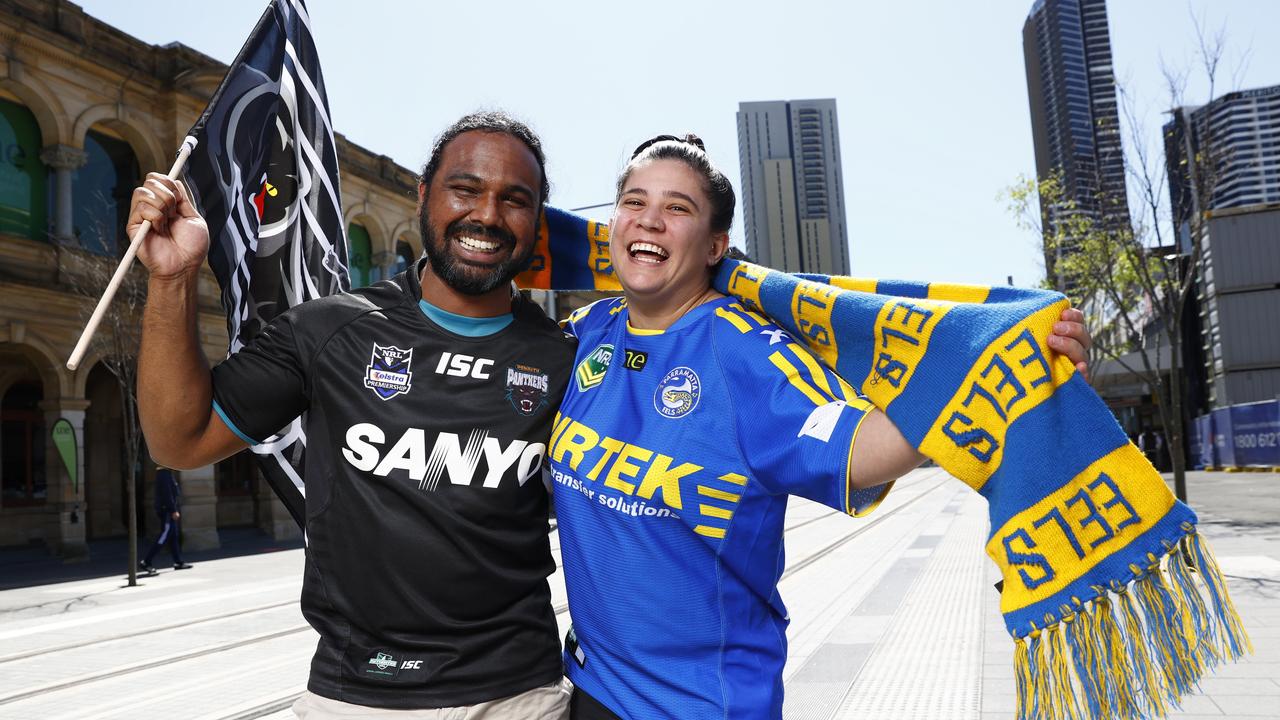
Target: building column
[
  {"x": 64, "y": 160},
  {"x": 199, "y": 508},
  {"x": 65, "y": 534}
]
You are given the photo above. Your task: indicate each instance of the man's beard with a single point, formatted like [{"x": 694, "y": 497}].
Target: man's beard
[{"x": 466, "y": 277}]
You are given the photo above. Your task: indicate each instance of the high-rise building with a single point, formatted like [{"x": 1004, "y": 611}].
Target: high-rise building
[
  {"x": 1240, "y": 133},
  {"x": 793, "y": 195},
  {"x": 1223, "y": 159},
  {"x": 1075, "y": 123}
]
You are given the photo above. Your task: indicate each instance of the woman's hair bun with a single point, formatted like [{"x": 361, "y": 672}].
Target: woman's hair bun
[{"x": 688, "y": 139}]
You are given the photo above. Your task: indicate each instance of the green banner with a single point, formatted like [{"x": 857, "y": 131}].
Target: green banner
[{"x": 64, "y": 439}]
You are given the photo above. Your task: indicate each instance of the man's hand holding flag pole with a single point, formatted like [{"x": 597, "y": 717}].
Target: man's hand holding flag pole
[{"x": 126, "y": 262}]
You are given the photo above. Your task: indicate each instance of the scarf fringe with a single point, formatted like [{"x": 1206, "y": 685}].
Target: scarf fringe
[{"x": 1133, "y": 651}]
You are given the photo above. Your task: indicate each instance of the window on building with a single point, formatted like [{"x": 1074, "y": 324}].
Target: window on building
[
  {"x": 100, "y": 193},
  {"x": 359, "y": 255},
  {"x": 22, "y": 462},
  {"x": 405, "y": 257},
  {"x": 23, "y": 178}
]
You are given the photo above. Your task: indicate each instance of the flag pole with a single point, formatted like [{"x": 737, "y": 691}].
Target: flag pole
[{"x": 126, "y": 262}]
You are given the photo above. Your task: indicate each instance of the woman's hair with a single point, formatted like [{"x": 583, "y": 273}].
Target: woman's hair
[{"x": 689, "y": 150}]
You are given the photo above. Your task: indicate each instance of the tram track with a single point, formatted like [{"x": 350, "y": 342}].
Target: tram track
[
  {"x": 283, "y": 702},
  {"x": 811, "y": 558},
  {"x": 154, "y": 662},
  {"x": 280, "y": 701},
  {"x": 49, "y": 649}
]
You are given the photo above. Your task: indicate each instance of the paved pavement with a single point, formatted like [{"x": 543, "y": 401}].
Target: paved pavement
[
  {"x": 1240, "y": 517},
  {"x": 893, "y": 616}
]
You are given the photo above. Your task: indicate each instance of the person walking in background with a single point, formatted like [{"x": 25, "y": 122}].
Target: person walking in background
[
  {"x": 1151, "y": 444},
  {"x": 168, "y": 508}
]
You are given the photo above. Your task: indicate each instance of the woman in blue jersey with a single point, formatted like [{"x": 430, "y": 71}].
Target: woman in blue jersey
[{"x": 689, "y": 421}]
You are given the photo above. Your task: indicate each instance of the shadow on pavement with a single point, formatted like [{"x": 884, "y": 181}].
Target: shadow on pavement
[{"x": 33, "y": 565}]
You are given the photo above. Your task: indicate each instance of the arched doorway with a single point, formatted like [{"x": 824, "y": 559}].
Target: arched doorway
[
  {"x": 23, "y": 480},
  {"x": 31, "y": 491},
  {"x": 104, "y": 488}
]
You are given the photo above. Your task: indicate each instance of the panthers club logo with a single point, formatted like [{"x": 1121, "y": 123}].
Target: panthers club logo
[
  {"x": 526, "y": 389},
  {"x": 678, "y": 393},
  {"x": 591, "y": 370}
]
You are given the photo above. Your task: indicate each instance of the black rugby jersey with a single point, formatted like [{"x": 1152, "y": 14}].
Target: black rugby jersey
[{"x": 427, "y": 549}]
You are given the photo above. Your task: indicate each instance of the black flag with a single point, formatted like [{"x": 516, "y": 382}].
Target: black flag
[{"x": 264, "y": 174}]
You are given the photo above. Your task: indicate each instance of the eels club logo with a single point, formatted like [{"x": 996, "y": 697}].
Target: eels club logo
[
  {"x": 678, "y": 393},
  {"x": 388, "y": 372}
]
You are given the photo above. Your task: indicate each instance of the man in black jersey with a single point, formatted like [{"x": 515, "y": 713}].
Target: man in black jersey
[{"x": 427, "y": 552}]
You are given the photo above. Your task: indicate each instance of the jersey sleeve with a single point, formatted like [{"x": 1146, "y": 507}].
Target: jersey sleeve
[
  {"x": 262, "y": 388},
  {"x": 796, "y": 419},
  {"x": 591, "y": 317}
]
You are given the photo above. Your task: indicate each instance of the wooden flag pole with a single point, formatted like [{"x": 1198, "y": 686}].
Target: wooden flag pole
[{"x": 126, "y": 262}]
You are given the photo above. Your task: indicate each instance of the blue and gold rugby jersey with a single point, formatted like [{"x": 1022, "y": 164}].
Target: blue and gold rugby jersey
[{"x": 672, "y": 459}]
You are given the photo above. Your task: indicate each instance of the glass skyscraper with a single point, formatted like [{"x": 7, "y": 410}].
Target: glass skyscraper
[
  {"x": 793, "y": 195},
  {"x": 1224, "y": 158},
  {"x": 1240, "y": 132},
  {"x": 1075, "y": 123}
]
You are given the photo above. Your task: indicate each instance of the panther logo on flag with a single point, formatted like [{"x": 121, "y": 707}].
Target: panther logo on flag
[{"x": 275, "y": 201}]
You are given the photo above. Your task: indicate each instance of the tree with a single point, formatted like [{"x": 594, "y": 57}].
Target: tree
[
  {"x": 1133, "y": 275},
  {"x": 116, "y": 345}
]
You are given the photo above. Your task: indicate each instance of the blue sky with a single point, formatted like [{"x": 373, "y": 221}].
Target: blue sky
[{"x": 931, "y": 95}]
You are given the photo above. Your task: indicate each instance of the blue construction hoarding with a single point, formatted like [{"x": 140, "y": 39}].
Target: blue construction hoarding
[{"x": 1238, "y": 436}]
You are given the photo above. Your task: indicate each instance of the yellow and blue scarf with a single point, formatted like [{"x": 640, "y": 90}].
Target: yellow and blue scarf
[{"x": 1115, "y": 603}]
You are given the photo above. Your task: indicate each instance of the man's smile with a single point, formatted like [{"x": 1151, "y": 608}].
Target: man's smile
[{"x": 478, "y": 245}]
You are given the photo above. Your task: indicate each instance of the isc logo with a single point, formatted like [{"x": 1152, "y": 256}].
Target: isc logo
[{"x": 459, "y": 365}]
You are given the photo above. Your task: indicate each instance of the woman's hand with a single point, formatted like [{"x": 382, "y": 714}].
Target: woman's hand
[{"x": 1071, "y": 338}]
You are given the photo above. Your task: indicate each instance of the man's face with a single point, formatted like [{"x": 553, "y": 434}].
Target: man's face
[{"x": 479, "y": 217}]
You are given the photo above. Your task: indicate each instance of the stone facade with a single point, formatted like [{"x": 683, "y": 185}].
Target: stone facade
[{"x": 78, "y": 76}]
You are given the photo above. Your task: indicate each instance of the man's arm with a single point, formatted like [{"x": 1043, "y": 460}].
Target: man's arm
[{"x": 175, "y": 393}]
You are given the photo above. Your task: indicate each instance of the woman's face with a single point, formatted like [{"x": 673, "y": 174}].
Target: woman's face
[{"x": 660, "y": 239}]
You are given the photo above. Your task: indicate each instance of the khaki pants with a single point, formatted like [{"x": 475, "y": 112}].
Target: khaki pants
[{"x": 549, "y": 702}]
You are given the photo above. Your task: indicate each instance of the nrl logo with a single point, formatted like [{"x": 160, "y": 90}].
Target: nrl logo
[
  {"x": 591, "y": 370},
  {"x": 382, "y": 661},
  {"x": 526, "y": 389},
  {"x": 388, "y": 372}
]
